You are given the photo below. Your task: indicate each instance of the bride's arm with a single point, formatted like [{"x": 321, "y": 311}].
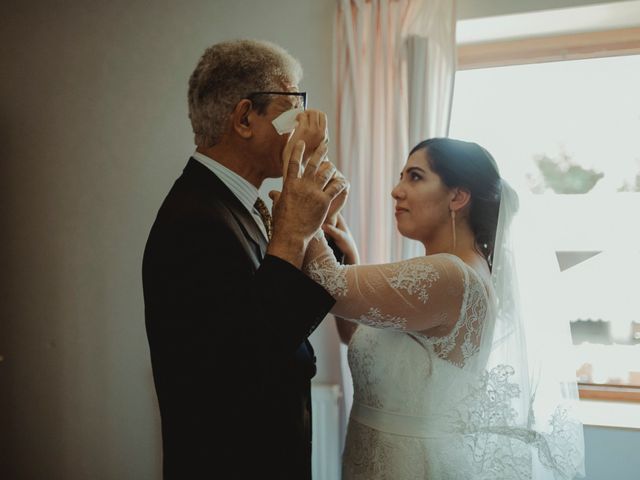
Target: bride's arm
[
  {"x": 337, "y": 232},
  {"x": 413, "y": 295}
]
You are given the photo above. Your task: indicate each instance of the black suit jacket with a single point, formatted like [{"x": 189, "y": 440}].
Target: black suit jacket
[{"x": 227, "y": 329}]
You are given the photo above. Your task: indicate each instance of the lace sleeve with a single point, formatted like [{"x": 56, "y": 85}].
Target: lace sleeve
[{"x": 412, "y": 295}]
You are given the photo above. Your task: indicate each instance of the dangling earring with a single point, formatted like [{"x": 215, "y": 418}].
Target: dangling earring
[{"x": 453, "y": 227}]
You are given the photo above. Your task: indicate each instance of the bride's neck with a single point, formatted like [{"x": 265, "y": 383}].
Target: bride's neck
[
  {"x": 465, "y": 250},
  {"x": 462, "y": 246}
]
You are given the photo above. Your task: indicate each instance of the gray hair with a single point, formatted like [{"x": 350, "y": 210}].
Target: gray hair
[{"x": 229, "y": 71}]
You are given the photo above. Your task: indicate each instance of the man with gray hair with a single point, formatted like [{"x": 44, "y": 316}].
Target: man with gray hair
[{"x": 227, "y": 309}]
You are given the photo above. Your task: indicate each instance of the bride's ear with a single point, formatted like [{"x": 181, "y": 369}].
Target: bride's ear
[{"x": 461, "y": 198}]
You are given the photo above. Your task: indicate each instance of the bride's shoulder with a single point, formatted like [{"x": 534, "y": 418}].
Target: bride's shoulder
[
  {"x": 447, "y": 259},
  {"x": 474, "y": 269},
  {"x": 446, "y": 269}
]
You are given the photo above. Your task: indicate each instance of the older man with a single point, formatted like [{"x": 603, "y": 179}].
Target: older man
[{"x": 228, "y": 310}]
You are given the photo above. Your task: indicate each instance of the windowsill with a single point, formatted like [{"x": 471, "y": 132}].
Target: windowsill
[
  {"x": 602, "y": 413},
  {"x": 609, "y": 392}
]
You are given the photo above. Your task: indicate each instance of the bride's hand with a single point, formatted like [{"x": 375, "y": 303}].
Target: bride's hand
[
  {"x": 341, "y": 234},
  {"x": 337, "y": 203}
]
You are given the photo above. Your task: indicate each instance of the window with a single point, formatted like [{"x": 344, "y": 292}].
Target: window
[{"x": 569, "y": 131}]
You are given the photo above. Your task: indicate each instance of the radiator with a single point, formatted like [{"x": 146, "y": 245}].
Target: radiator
[{"x": 325, "y": 459}]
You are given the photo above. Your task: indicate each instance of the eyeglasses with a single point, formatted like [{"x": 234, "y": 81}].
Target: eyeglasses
[{"x": 303, "y": 95}]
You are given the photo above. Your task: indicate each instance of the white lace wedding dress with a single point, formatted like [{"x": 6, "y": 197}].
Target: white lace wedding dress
[{"x": 425, "y": 406}]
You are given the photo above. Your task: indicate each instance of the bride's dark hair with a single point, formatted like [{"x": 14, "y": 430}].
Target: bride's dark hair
[{"x": 469, "y": 166}]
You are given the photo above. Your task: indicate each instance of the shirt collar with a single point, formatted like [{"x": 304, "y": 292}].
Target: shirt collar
[{"x": 246, "y": 192}]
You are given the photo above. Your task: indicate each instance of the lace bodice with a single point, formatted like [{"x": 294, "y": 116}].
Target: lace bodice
[
  {"x": 437, "y": 298},
  {"x": 425, "y": 404}
]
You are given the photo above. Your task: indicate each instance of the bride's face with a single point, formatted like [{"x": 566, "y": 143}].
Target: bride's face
[{"x": 422, "y": 200}]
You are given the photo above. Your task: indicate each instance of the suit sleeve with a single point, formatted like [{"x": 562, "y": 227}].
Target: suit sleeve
[{"x": 200, "y": 278}]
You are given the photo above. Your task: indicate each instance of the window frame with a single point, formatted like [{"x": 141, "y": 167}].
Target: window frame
[{"x": 553, "y": 48}]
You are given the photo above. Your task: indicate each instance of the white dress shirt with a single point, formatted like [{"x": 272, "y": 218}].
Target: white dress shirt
[{"x": 240, "y": 187}]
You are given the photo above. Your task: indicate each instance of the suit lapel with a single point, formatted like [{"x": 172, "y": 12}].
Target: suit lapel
[
  {"x": 221, "y": 192},
  {"x": 255, "y": 243},
  {"x": 246, "y": 220}
]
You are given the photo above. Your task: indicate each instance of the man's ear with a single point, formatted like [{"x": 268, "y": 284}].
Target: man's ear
[
  {"x": 461, "y": 198},
  {"x": 241, "y": 119}
]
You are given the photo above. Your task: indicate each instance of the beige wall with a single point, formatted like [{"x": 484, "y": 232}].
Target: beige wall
[{"x": 93, "y": 131}]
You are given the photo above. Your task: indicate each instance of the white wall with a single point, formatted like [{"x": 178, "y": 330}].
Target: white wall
[
  {"x": 612, "y": 453},
  {"x": 93, "y": 131}
]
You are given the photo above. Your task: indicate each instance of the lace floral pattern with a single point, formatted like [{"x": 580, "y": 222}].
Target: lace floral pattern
[
  {"x": 371, "y": 454},
  {"x": 476, "y": 311},
  {"x": 415, "y": 278},
  {"x": 363, "y": 366},
  {"x": 333, "y": 280},
  {"x": 375, "y": 318},
  {"x": 500, "y": 444},
  {"x": 416, "y": 295},
  {"x": 462, "y": 343}
]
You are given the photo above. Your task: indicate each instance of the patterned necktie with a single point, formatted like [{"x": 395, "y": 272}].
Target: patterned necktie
[{"x": 265, "y": 215}]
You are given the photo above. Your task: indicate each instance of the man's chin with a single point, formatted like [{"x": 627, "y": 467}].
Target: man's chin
[{"x": 276, "y": 173}]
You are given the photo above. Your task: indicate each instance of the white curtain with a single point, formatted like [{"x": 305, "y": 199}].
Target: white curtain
[
  {"x": 394, "y": 65},
  {"x": 394, "y": 68}
]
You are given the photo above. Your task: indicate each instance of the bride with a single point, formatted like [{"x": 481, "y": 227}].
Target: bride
[{"x": 445, "y": 380}]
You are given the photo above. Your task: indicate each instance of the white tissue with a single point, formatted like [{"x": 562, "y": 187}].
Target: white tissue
[{"x": 286, "y": 122}]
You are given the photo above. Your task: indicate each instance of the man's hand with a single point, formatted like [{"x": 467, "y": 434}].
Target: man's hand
[
  {"x": 303, "y": 205},
  {"x": 312, "y": 130}
]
